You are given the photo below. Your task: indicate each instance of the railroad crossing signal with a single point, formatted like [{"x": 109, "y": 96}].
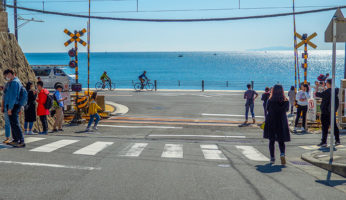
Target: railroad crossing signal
[
  {"x": 75, "y": 37},
  {"x": 305, "y": 41}
]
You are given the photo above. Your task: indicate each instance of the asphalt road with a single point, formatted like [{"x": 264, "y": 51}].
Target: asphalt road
[{"x": 165, "y": 147}]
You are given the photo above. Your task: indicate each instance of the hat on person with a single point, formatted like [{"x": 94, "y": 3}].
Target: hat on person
[{"x": 59, "y": 86}]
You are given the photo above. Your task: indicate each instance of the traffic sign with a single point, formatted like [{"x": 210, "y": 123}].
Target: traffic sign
[
  {"x": 306, "y": 40},
  {"x": 75, "y": 37},
  {"x": 340, "y": 28}
]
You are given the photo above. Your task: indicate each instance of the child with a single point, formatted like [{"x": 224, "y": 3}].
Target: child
[
  {"x": 93, "y": 108},
  {"x": 265, "y": 97}
]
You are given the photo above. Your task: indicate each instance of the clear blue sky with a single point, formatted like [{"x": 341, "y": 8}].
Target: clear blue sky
[{"x": 115, "y": 36}]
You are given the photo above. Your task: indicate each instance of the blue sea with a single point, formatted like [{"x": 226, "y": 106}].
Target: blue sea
[{"x": 186, "y": 70}]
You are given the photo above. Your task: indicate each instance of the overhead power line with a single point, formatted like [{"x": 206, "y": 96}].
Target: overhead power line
[{"x": 176, "y": 20}]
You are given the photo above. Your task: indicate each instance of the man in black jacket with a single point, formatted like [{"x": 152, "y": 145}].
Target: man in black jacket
[{"x": 326, "y": 113}]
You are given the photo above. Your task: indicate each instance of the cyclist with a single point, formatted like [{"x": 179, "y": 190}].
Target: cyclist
[
  {"x": 105, "y": 78},
  {"x": 142, "y": 77}
]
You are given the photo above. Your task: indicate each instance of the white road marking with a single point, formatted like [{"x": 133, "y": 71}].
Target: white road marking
[
  {"x": 54, "y": 146},
  {"x": 49, "y": 165},
  {"x": 227, "y": 115},
  {"x": 155, "y": 127},
  {"x": 252, "y": 153},
  {"x": 33, "y": 139},
  {"x": 204, "y": 136},
  {"x": 94, "y": 148},
  {"x": 172, "y": 151},
  {"x": 312, "y": 147},
  {"x": 134, "y": 150},
  {"x": 212, "y": 152}
]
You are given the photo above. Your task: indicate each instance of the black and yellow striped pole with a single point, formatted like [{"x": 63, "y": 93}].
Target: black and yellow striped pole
[{"x": 306, "y": 41}]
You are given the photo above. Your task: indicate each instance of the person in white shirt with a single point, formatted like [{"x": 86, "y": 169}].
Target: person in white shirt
[{"x": 302, "y": 98}]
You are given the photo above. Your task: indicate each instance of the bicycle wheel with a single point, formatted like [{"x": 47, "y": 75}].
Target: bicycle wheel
[
  {"x": 150, "y": 87},
  {"x": 113, "y": 86},
  {"x": 138, "y": 86},
  {"x": 98, "y": 86}
]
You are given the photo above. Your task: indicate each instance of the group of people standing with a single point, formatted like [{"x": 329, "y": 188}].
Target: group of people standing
[
  {"x": 276, "y": 105},
  {"x": 17, "y": 98}
]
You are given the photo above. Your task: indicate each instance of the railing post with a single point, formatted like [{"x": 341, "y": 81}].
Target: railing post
[
  {"x": 252, "y": 84},
  {"x": 179, "y": 83},
  {"x": 155, "y": 83},
  {"x": 226, "y": 83},
  {"x": 202, "y": 85}
]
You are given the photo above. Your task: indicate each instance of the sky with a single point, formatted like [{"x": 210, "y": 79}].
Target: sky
[{"x": 123, "y": 36}]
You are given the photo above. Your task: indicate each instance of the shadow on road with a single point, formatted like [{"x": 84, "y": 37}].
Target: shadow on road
[{"x": 269, "y": 168}]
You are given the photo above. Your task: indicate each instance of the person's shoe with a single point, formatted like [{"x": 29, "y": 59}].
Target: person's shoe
[
  {"x": 30, "y": 133},
  {"x": 25, "y": 132},
  {"x": 87, "y": 129},
  {"x": 245, "y": 122},
  {"x": 295, "y": 129},
  {"x": 6, "y": 141},
  {"x": 55, "y": 130},
  {"x": 95, "y": 128},
  {"x": 272, "y": 160},
  {"x": 20, "y": 145},
  {"x": 13, "y": 143},
  {"x": 42, "y": 133},
  {"x": 302, "y": 129},
  {"x": 283, "y": 160},
  {"x": 253, "y": 121},
  {"x": 61, "y": 130},
  {"x": 337, "y": 143},
  {"x": 322, "y": 144}
]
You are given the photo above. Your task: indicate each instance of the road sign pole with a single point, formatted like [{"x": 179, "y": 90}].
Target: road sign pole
[
  {"x": 305, "y": 62},
  {"x": 332, "y": 112}
]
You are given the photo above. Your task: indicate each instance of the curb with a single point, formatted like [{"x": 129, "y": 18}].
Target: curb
[
  {"x": 119, "y": 109},
  {"x": 334, "y": 167}
]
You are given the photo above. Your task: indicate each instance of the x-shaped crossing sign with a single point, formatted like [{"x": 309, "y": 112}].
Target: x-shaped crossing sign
[
  {"x": 306, "y": 40},
  {"x": 75, "y": 37}
]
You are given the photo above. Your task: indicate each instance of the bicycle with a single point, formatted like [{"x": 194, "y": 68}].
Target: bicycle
[
  {"x": 107, "y": 85},
  {"x": 147, "y": 85}
]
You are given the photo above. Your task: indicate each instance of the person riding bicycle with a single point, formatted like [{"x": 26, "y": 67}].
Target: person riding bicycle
[
  {"x": 105, "y": 78},
  {"x": 142, "y": 77}
]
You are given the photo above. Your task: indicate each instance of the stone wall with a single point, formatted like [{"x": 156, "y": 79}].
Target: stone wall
[{"x": 3, "y": 19}]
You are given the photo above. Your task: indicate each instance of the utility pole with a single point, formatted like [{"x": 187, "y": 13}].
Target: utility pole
[{"x": 15, "y": 19}]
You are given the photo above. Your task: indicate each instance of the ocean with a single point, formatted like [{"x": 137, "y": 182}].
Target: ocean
[{"x": 186, "y": 70}]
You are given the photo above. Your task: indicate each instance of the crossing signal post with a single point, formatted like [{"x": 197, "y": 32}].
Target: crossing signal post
[
  {"x": 75, "y": 37},
  {"x": 305, "y": 41}
]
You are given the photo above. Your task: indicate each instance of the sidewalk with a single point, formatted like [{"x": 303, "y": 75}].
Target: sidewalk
[{"x": 320, "y": 158}]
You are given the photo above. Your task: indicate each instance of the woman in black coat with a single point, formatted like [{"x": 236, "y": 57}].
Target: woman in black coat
[
  {"x": 30, "y": 109},
  {"x": 276, "y": 124}
]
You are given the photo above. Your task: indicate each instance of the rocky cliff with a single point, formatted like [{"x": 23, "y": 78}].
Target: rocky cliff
[{"x": 12, "y": 57}]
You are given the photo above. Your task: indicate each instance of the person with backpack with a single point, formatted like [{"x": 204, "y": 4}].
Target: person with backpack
[
  {"x": 15, "y": 97},
  {"x": 250, "y": 97},
  {"x": 30, "y": 109},
  {"x": 59, "y": 107},
  {"x": 44, "y": 103},
  {"x": 93, "y": 108}
]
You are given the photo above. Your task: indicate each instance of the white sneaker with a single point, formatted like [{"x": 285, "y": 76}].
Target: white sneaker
[
  {"x": 302, "y": 129},
  {"x": 295, "y": 129},
  {"x": 95, "y": 128},
  {"x": 87, "y": 129}
]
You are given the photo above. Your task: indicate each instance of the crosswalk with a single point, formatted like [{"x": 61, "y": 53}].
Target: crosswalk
[{"x": 132, "y": 150}]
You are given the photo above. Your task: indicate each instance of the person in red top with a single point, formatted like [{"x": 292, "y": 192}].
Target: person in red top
[{"x": 41, "y": 110}]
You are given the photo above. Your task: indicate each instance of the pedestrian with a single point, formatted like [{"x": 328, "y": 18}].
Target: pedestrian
[
  {"x": 92, "y": 112},
  {"x": 59, "y": 108},
  {"x": 42, "y": 111},
  {"x": 6, "y": 117},
  {"x": 264, "y": 98},
  {"x": 14, "y": 99},
  {"x": 326, "y": 113},
  {"x": 292, "y": 98},
  {"x": 276, "y": 124},
  {"x": 30, "y": 109},
  {"x": 302, "y": 98},
  {"x": 250, "y": 97}
]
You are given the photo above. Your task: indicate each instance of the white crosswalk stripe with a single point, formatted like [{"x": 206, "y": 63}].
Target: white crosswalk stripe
[
  {"x": 172, "y": 151},
  {"x": 212, "y": 152},
  {"x": 54, "y": 146},
  {"x": 251, "y": 153},
  {"x": 33, "y": 139},
  {"x": 94, "y": 148},
  {"x": 134, "y": 150}
]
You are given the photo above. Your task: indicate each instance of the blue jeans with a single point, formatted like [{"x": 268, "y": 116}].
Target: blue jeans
[
  {"x": 17, "y": 133},
  {"x": 31, "y": 124},
  {"x": 97, "y": 116},
  {"x": 7, "y": 125},
  {"x": 251, "y": 107}
]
